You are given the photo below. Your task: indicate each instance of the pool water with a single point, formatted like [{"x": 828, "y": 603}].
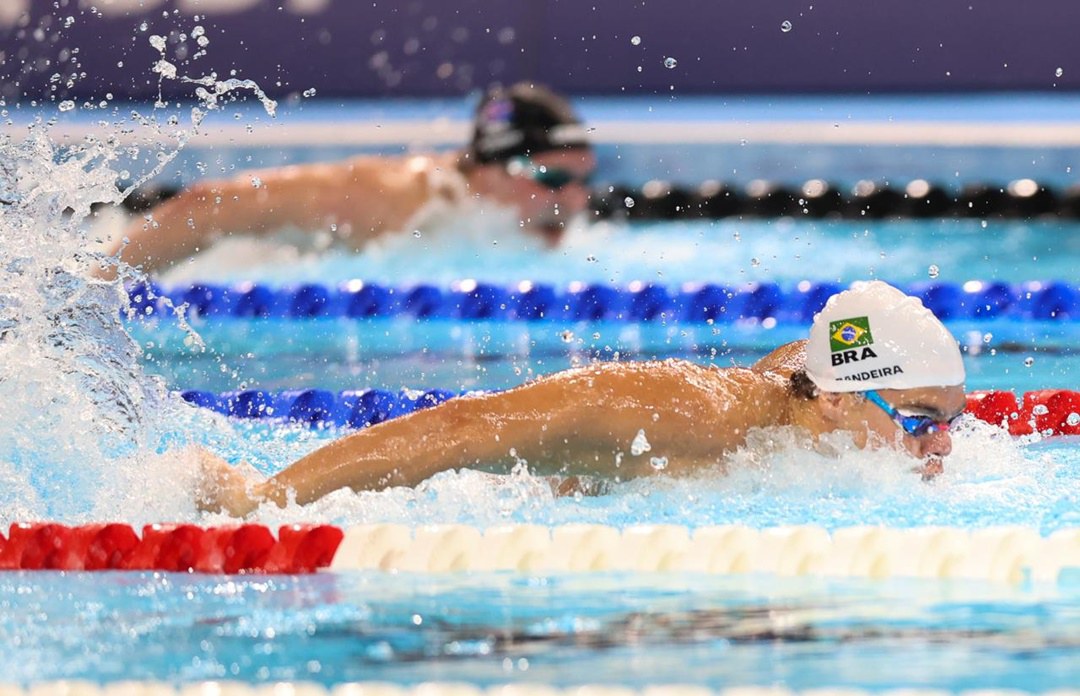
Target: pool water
[
  {"x": 343, "y": 354},
  {"x": 398, "y": 353},
  {"x": 606, "y": 627},
  {"x": 488, "y": 629}
]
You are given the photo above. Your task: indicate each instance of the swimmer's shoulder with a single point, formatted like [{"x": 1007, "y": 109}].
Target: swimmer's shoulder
[
  {"x": 426, "y": 175},
  {"x": 680, "y": 374},
  {"x": 783, "y": 361}
]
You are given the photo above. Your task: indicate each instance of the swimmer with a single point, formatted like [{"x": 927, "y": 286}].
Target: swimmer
[
  {"x": 529, "y": 152},
  {"x": 877, "y": 364}
]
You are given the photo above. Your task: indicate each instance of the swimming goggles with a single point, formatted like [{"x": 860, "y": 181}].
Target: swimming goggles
[
  {"x": 916, "y": 426},
  {"x": 548, "y": 177}
]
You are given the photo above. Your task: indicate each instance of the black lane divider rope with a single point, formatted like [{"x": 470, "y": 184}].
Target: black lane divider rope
[
  {"x": 637, "y": 302},
  {"x": 816, "y": 198}
]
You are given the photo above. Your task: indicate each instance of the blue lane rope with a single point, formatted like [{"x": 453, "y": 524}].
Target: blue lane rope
[
  {"x": 637, "y": 302},
  {"x": 318, "y": 407}
]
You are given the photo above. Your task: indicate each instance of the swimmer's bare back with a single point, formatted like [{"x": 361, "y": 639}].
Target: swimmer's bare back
[{"x": 581, "y": 422}]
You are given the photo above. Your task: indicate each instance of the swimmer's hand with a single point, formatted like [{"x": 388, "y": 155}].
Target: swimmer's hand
[
  {"x": 223, "y": 488},
  {"x": 930, "y": 469},
  {"x": 566, "y": 486}
]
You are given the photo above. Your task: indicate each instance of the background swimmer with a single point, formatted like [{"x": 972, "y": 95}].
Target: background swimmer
[
  {"x": 529, "y": 152},
  {"x": 877, "y": 364}
]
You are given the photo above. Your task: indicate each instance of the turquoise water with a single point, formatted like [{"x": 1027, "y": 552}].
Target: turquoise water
[
  {"x": 344, "y": 354},
  {"x": 612, "y": 628},
  {"x": 490, "y": 629}
]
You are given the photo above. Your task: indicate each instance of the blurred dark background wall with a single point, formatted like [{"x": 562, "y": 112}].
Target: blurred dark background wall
[{"x": 402, "y": 48}]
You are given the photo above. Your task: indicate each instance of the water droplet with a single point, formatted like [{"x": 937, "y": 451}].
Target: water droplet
[
  {"x": 785, "y": 26},
  {"x": 933, "y": 271},
  {"x": 596, "y": 335},
  {"x": 256, "y": 182},
  {"x": 417, "y": 234},
  {"x": 1073, "y": 419},
  {"x": 636, "y": 41},
  {"x": 658, "y": 463},
  {"x": 987, "y": 337},
  {"x": 567, "y": 336},
  {"x": 309, "y": 92},
  {"x": 984, "y": 224},
  {"x": 1040, "y": 410},
  {"x": 590, "y": 258},
  {"x": 1059, "y": 72},
  {"x": 1028, "y": 362},
  {"x": 640, "y": 445},
  {"x": 67, "y": 105},
  {"x": 755, "y": 262},
  {"x": 670, "y": 62},
  {"x": 628, "y": 202}
]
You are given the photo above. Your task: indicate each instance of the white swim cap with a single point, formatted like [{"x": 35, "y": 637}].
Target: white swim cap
[{"x": 875, "y": 337}]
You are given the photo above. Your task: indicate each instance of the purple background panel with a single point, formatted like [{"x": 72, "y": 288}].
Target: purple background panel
[{"x": 345, "y": 48}]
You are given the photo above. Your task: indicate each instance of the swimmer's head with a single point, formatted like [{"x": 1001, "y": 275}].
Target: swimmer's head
[
  {"x": 875, "y": 337},
  {"x": 884, "y": 367},
  {"x": 530, "y": 151},
  {"x": 523, "y": 120}
]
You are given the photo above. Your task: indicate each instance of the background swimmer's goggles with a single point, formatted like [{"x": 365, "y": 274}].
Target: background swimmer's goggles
[
  {"x": 548, "y": 177},
  {"x": 916, "y": 426}
]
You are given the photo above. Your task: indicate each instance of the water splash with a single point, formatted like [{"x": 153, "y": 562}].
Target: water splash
[{"x": 86, "y": 432}]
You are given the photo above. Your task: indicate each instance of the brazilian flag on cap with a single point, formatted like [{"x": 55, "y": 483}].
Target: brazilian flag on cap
[{"x": 849, "y": 333}]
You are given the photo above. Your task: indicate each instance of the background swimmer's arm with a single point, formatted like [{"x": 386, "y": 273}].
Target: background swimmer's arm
[
  {"x": 356, "y": 197},
  {"x": 586, "y": 420}
]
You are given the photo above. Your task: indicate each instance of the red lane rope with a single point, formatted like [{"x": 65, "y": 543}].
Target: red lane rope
[
  {"x": 244, "y": 548},
  {"x": 1046, "y": 411}
]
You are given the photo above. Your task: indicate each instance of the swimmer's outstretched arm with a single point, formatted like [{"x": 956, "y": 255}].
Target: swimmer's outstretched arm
[
  {"x": 585, "y": 420},
  {"x": 359, "y": 198}
]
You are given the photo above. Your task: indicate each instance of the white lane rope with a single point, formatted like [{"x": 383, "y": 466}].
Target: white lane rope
[{"x": 999, "y": 554}]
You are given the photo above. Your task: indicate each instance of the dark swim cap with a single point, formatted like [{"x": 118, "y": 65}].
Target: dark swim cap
[{"x": 524, "y": 119}]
